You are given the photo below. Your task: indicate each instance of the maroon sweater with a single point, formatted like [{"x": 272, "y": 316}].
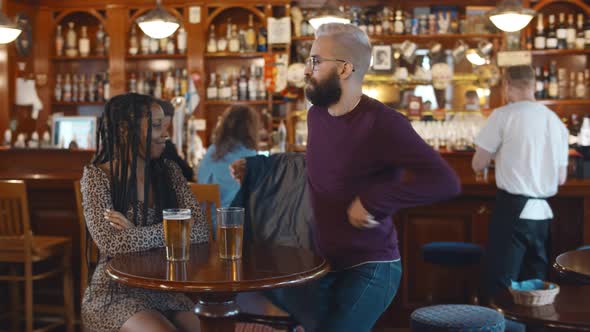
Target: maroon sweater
[{"x": 363, "y": 153}]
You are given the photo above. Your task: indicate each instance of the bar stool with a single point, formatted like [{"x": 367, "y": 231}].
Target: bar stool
[
  {"x": 456, "y": 318},
  {"x": 454, "y": 255}
]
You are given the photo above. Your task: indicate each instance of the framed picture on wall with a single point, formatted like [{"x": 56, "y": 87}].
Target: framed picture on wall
[{"x": 382, "y": 57}]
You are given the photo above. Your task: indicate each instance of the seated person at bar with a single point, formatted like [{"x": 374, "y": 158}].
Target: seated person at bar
[
  {"x": 235, "y": 137},
  {"x": 530, "y": 147},
  {"x": 124, "y": 191},
  {"x": 170, "y": 151}
]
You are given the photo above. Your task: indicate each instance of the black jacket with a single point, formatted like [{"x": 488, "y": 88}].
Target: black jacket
[{"x": 275, "y": 196}]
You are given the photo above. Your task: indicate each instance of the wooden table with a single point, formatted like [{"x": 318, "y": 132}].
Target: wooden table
[
  {"x": 574, "y": 265},
  {"x": 570, "y": 311},
  {"x": 216, "y": 281}
]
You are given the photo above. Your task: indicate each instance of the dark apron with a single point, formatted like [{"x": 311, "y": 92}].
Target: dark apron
[{"x": 516, "y": 248}]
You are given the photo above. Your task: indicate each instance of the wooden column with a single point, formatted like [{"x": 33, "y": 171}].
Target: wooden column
[
  {"x": 117, "y": 17},
  {"x": 44, "y": 46},
  {"x": 4, "y": 100},
  {"x": 197, "y": 42}
]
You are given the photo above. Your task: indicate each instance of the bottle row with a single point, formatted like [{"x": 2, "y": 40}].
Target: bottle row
[
  {"x": 144, "y": 45},
  {"x": 82, "y": 87},
  {"x": 161, "y": 85},
  {"x": 387, "y": 21},
  {"x": 242, "y": 40},
  {"x": 555, "y": 83},
  {"x": 242, "y": 87},
  {"x": 75, "y": 43},
  {"x": 561, "y": 35}
]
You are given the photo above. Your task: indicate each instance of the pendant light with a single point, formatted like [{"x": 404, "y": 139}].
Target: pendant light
[
  {"x": 9, "y": 31},
  {"x": 158, "y": 23},
  {"x": 510, "y": 16},
  {"x": 331, "y": 14}
]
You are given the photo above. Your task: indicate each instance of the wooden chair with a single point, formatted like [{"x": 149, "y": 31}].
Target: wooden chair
[
  {"x": 18, "y": 246},
  {"x": 209, "y": 195},
  {"x": 270, "y": 316},
  {"x": 88, "y": 259}
]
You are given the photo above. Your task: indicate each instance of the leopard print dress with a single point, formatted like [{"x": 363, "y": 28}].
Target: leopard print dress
[{"x": 107, "y": 305}]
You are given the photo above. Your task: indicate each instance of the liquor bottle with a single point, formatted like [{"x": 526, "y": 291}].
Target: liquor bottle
[
  {"x": 93, "y": 88},
  {"x": 145, "y": 44},
  {"x": 553, "y": 91},
  {"x": 100, "y": 34},
  {"x": 261, "y": 40},
  {"x": 57, "y": 91},
  {"x": 234, "y": 42},
  {"x": 106, "y": 87},
  {"x": 385, "y": 24},
  {"x": 252, "y": 84},
  {"x": 158, "y": 86},
  {"x": 242, "y": 40},
  {"x": 154, "y": 46},
  {"x": 561, "y": 32},
  {"x": 580, "y": 40},
  {"x": 84, "y": 42},
  {"x": 133, "y": 84},
  {"x": 170, "y": 48},
  {"x": 379, "y": 25},
  {"x": 540, "y": 33},
  {"x": 107, "y": 43},
  {"x": 572, "y": 85},
  {"x": 587, "y": 33},
  {"x": 234, "y": 88},
  {"x": 371, "y": 25},
  {"x": 551, "y": 42},
  {"x": 223, "y": 42},
  {"x": 398, "y": 24},
  {"x": 133, "y": 41},
  {"x": 571, "y": 32},
  {"x": 169, "y": 85},
  {"x": 71, "y": 41},
  {"x": 82, "y": 89},
  {"x": 99, "y": 84},
  {"x": 562, "y": 81},
  {"x": 363, "y": 22},
  {"x": 74, "y": 88},
  {"x": 163, "y": 43},
  {"x": 59, "y": 41},
  {"x": 581, "y": 86},
  {"x": 261, "y": 86},
  {"x": 181, "y": 40},
  {"x": 140, "y": 84},
  {"x": 539, "y": 87},
  {"x": 221, "y": 90},
  {"x": 67, "y": 89},
  {"x": 212, "y": 88},
  {"x": 545, "y": 82},
  {"x": 251, "y": 35},
  {"x": 243, "y": 85}
]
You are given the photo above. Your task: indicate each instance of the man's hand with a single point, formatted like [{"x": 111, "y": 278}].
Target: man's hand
[
  {"x": 117, "y": 220},
  {"x": 359, "y": 217},
  {"x": 238, "y": 170}
]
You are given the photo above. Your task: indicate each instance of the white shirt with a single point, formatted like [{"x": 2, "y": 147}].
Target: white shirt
[{"x": 531, "y": 144}]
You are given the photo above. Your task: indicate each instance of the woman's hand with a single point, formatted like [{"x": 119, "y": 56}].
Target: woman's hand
[
  {"x": 117, "y": 220},
  {"x": 238, "y": 170}
]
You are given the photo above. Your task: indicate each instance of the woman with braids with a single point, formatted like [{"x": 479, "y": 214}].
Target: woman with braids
[
  {"x": 124, "y": 190},
  {"x": 235, "y": 137}
]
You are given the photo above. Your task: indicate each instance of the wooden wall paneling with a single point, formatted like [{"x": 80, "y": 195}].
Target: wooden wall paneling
[
  {"x": 116, "y": 27},
  {"x": 43, "y": 34},
  {"x": 197, "y": 44}
]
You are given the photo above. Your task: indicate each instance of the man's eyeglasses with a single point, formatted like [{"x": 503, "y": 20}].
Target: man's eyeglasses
[{"x": 314, "y": 61}]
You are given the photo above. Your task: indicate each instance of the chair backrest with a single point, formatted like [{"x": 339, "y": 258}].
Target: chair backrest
[
  {"x": 85, "y": 261},
  {"x": 14, "y": 209},
  {"x": 207, "y": 194},
  {"x": 16, "y": 238}
]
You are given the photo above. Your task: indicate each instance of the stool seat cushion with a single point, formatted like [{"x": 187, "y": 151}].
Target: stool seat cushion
[
  {"x": 452, "y": 253},
  {"x": 586, "y": 247},
  {"x": 512, "y": 326},
  {"x": 456, "y": 318}
]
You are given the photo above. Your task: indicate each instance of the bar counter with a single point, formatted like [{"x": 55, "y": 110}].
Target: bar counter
[{"x": 49, "y": 175}]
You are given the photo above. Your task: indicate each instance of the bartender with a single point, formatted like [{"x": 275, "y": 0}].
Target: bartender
[{"x": 530, "y": 147}]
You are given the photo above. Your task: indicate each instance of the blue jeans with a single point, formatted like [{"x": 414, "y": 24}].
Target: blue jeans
[{"x": 347, "y": 300}]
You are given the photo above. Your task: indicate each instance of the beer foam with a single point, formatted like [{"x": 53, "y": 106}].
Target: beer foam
[{"x": 177, "y": 217}]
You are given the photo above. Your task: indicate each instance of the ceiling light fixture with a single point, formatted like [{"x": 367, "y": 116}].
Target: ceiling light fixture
[{"x": 158, "y": 23}]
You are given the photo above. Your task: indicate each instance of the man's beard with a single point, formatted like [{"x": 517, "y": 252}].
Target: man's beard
[{"x": 324, "y": 93}]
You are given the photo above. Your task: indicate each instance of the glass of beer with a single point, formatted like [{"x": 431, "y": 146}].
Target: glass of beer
[
  {"x": 230, "y": 223},
  {"x": 177, "y": 233}
]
